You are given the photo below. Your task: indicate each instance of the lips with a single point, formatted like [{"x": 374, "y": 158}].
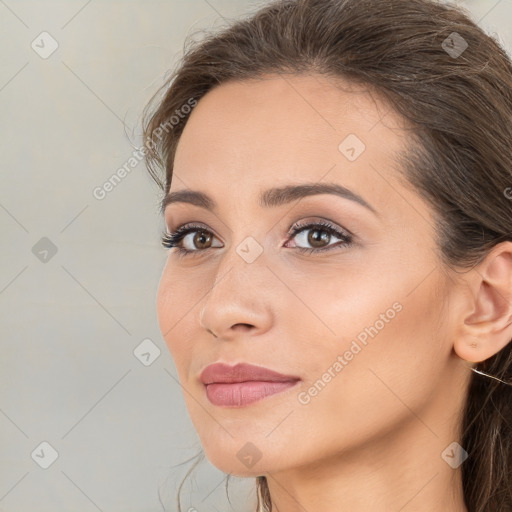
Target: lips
[
  {"x": 243, "y": 384},
  {"x": 241, "y": 372}
]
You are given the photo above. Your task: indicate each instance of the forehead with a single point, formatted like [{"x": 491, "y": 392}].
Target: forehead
[
  {"x": 282, "y": 123},
  {"x": 247, "y": 136}
]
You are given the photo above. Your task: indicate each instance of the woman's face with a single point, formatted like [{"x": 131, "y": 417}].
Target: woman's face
[{"x": 362, "y": 325}]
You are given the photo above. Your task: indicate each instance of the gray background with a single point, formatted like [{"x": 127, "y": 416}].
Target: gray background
[{"x": 72, "y": 320}]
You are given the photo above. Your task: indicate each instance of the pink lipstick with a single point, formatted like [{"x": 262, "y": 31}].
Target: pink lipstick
[{"x": 242, "y": 384}]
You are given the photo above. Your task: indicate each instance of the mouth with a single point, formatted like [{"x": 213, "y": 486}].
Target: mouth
[
  {"x": 240, "y": 394},
  {"x": 243, "y": 384}
]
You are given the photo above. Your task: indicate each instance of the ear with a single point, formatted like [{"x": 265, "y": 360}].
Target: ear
[{"x": 485, "y": 325}]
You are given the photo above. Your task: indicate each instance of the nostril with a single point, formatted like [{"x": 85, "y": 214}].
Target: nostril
[{"x": 243, "y": 327}]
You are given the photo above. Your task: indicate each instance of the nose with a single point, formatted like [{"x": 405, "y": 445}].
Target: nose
[{"x": 238, "y": 303}]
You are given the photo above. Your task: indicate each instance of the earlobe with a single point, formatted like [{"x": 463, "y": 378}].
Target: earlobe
[{"x": 485, "y": 325}]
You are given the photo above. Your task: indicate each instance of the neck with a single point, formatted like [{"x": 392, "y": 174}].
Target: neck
[{"x": 403, "y": 470}]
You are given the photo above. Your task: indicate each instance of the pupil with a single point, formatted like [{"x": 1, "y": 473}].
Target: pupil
[
  {"x": 313, "y": 240},
  {"x": 200, "y": 235}
]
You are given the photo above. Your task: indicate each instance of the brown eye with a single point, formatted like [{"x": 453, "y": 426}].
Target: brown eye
[
  {"x": 201, "y": 239},
  {"x": 318, "y": 237}
]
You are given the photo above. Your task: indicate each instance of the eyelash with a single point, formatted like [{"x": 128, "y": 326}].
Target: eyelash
[{"x": 171, "y": 240}]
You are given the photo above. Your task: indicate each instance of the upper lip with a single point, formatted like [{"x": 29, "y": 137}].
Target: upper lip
[{"x": 241, "y": 372}]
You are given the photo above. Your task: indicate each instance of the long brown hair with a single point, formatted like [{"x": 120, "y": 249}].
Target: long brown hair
[{"x": 453, "y": 82}]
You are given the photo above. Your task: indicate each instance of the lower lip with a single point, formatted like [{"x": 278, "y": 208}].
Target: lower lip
[{"x": 239, "y": 394}]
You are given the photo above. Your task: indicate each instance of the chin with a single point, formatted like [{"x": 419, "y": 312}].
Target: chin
[{"x": 245, "y": 461}]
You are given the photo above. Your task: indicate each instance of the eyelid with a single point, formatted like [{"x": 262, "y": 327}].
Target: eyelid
[
  {"x": 295, "y": 225},
  {"x": 316, "y": 220}
]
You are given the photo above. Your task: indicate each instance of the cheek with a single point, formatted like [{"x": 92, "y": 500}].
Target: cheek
[
  {"x": 386, "y": 351},
  {"x": 176, "y": 303},
  {"x": 176, "y": 295},
  {"x": 340, "y": 302}
]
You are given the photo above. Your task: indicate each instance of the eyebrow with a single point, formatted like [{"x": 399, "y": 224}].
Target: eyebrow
[{"x": 272, "y": 197}]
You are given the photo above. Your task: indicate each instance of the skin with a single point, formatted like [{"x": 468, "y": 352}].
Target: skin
[{"x": 372, "y": 438}]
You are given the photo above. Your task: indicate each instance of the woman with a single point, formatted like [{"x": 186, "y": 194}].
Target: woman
[{"x": 338, "y": 201}]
